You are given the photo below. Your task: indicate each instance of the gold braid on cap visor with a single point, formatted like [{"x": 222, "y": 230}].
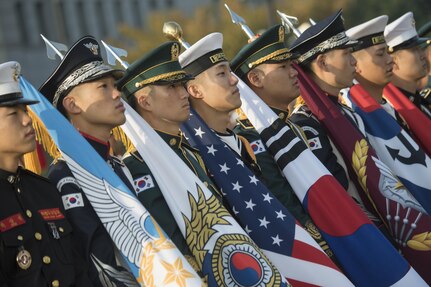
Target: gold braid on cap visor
[{"x": 333, "y": 42}]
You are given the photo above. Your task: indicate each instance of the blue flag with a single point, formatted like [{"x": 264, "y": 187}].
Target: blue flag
[{"x": 151, "y": 256}]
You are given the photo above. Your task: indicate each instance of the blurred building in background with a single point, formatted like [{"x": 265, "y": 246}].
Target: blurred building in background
[{"x": 65, "y": 21}]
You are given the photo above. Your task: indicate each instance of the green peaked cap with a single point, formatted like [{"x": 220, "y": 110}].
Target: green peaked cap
[
  {"x": 267, "y": 48},
  {"x": 160, "y": 66}
]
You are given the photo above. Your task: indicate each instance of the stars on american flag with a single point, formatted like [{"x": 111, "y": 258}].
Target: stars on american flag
[
  {"x": 264, "y": 222},
  {"x": 224, "y": 168},
  {"x": 267, "y": 197},
  {"x": 211, "y": 150},
  {"x": 199, "y": 132},
  {"x": 249, "y": 204},
  {"x": 280, "y": 214},
  {"x": 276, "y": 240},
  {"x": 239, "y": 162},
  {"x": 253, "y": 179},
  {"x": 234, "y": 210},
  {"x": 259, "y": 212},
  {"x": 237, "y": 187},
  {"x": 248, "y": 230}
]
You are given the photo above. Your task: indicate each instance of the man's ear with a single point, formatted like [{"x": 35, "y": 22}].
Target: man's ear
[
  {"x": 255, "y": 77},
  {"x": 194, "y": 90},
  {"x": 321, "y": 62},
  {"x": 70, "y": 105},
  {"x": 395, "y": 59},
  {"x": 143, "y": 98}
]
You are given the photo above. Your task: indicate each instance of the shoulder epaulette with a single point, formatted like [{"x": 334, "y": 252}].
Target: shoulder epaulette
[
  {"x": 245, "y": 124},
  {"x": 425, "y": 93},
  {"x": 29, "y": 172},
  {"x": 136, "y": 155},
  {"x": 117, "y": 160}
]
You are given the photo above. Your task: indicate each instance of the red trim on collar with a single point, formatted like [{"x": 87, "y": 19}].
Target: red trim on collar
[{"x": 95, "y": 139}]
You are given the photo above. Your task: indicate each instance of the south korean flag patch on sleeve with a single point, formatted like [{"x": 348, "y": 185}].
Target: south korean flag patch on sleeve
[
  {"x": 72, "y": 200},
  {"x": 314, "y": 143},
  {"x": 143, "y": 183},
  {"x": 257, "y": 147}
]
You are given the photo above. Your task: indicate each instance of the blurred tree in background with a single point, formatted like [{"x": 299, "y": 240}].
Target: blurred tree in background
[{"x": 259, "y": 15}]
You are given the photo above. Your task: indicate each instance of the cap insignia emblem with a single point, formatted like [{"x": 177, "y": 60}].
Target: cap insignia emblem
[
  {"x": 281, "y": 34},
  {"x": 16, "y": 72},
  {"x": 175, "y": 50},
  {"x": 93, "y": 48},
  {"x": 413, "y": 23}
]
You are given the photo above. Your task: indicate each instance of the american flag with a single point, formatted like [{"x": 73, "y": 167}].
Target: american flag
[
  {"x": 365, "y": 255},
  {"x": 224, "y": 252},
  {"x": 290, "y": 248}
]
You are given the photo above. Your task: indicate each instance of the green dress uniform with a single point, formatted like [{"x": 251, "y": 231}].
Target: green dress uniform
[
  {"x": 150, "y": 194},
  {"x": 35, "y": 237}
]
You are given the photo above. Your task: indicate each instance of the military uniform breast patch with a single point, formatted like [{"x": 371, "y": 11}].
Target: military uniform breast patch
[
  {"x": 143, "y": 183},
  {"x": 72, "y": 200},
  {"x": 257, "y": 146}
]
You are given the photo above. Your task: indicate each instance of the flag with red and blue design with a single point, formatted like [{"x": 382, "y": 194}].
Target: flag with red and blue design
[
  {"x": 271, "y": 226},
  {"x": 406, "y": 209},
  {"x": 419, "y": 121},
  {"x": 365, "y": 255}
]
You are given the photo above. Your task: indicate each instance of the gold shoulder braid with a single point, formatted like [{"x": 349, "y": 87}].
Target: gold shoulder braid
[
  {"x": 120, "y": 136},
  {"x": 31, "y": 160},
  {"x": 248, "y": 148}
]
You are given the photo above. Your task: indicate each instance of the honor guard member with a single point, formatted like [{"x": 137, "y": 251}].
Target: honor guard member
[
  {"x": 265, "y": 65},
  {"x": 374, "y": 65},
  {"x": 154, "y": 87},
  {"x": 326, "y": 57},
  {"x": 214, "y": 94},
  {"x": 83, "y": 89},
  {"x": 35, "y": 236},
  {"x": 410, "y": 62}
]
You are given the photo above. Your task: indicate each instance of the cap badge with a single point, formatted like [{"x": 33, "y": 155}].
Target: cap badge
[
  {"x": 281, "y": 34},
  {"x": 16, "y": 72},
  {"x": 175, "y": 51},
  {"x": 413, "y": 23},
  {"x": 93, "y": 48}
]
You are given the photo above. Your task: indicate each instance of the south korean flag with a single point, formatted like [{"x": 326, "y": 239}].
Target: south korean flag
[
  {"x": 314, "y": 143},
  {"x": 257, "y": 147},
  {"x": 143, "y": 183},
  {"x": 72, "y": 200}
]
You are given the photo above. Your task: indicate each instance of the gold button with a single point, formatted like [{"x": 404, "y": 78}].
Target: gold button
[
  {"x": 61, "y": 229},
  {"x": 55, "y": 283},
  {"x": 28, "y": 212},
  {"x": 281, "y": 115},
  {"x": 20, "y": 238},
  {"x": 206, "y": 183},
  {"x": 46, "y": 259},
  {"x": 38, "y": 236},
  {"x": 172, "y": 142},
  {"x": 18, "y": 190}
]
